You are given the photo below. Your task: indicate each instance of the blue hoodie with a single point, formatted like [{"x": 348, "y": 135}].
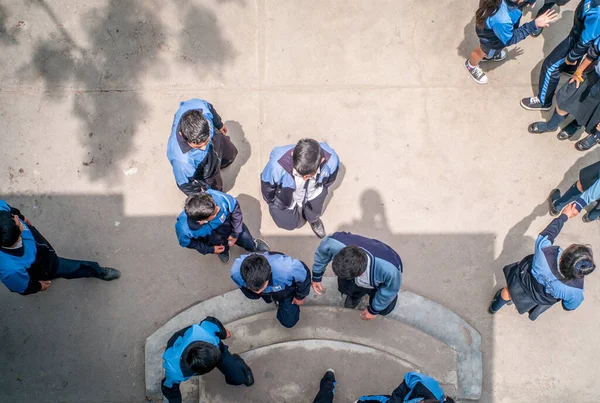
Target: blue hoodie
[{"x": 502, "y": 28}]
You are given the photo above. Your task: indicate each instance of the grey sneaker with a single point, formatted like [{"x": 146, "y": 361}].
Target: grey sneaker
[
  {"x": 224, "y": 256},
  {"x": 261, "y": 246},
  {"x": 476, "y": 73},
  {"x": 498, "y": 57}
]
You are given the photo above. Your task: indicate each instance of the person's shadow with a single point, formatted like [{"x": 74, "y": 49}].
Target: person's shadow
[{"x": 238, "y": 138}]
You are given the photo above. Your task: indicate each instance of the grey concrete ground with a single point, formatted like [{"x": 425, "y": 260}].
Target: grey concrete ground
[{"x": 441, "y": 168}]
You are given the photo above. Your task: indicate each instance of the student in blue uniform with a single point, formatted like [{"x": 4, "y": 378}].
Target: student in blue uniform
[
  {"x": 363, "y": 266},
  {"x": 415, "y": 388},
  {"x": 212, "y": 222},
  {"x": 497, "y": 26},
  {"x": 28, "y": 262},
  {"x": 197, "y": 350},
  {"x": 566, "y": 55},
  {"x": 582, "y": 192},
  {"x": 548, "y": 276},
  {"x": 295, "y": 183},
  {"x": 199, "y": 147},
  {"x": 274, "y": 276}
]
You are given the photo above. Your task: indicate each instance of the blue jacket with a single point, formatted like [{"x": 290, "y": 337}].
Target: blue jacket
[
  {"x": 203, "y": 238},
  {"x": 21, "y": 269},
  {"x": 586, "y": 28},
  {"x": 210, "y": 330},
  {"x": 544, "y": 267},
  {"x": 385, "y": 269},
  {"x": 414, "y": 388},
  {"x": 277, "y": 179},
  {"x": 187, "y": 162},
  {"x": 287, "y": 274},
  {"x": 502, "y": 28}
]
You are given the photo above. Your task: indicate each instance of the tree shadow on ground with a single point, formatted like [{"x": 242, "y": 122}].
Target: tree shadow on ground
[
  {"x": 7, "y": 34},
  {"x": 126, "y": 40}
]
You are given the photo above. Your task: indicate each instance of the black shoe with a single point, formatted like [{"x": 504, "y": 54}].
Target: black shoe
[
  {"x": 496, "y": 296},
  {"x": 536, "y": 127},
  {"x": 224, "y": 256},
  {"x": 554, "y": 196},
  {"x": 318, "y": 228},
  {"x": 329, "y": 376},
  {"x": 261, "y": 246},
  {"x": 109, "y": 274},
  {"x": 587, "y": 143},
  {"x": 567, "y": 132},
  {"x": 534, "y": 104},
  {"x": 351, "y": 303},
  {"x": 586, "y": 217},
  {"x": 249, "y": 378},
  {"x": 537, "y": 32}
]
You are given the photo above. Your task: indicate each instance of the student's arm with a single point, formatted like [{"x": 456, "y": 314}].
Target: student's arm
[
  {"x": 214, "y": 325},
  {"x": 301, "y": 279},
  {"x": 331, "y": 178},
  {"x": 184, "y": 177},
  {"x": 217, "y": 121},
  {"x": 186, "y": 241},
  {"x": 548, "y": 235},
  {"x": 327, "y": 249},
  {"x": 510, "y": 36},
  {"x": 193, "y": 186},
  {"x": 237, "y": 219},
  {"x": 572, "y": 302},
  {"x": 400, "y": 393},
  {"x": 591, "y": 31},
  {"x": 268, "y": 185},
  {"x": 170, "y": 390},
  {"x": 387, "y": 291},
  {"x": 593, "y": 193}
]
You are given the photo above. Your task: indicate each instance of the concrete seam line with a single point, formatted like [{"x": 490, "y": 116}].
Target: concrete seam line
[{"x": 412, "y": 309}]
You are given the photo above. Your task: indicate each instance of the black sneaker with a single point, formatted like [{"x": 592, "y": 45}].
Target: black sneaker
[
  {"x": 496, "y": 296},
  {"x": 534, "y": 104},
  {"x": 537, "y": 127},
  {"x": 249, "y": 378},
  {"x": 554, "y": 196},
  {"x": 537, "y": 32},
  {"x": 109, "y": 274},
  {"x": 587, "y": 143},
  {"x": 351, "y": 303},
  {"x": 498, "y": 57},
  {"x": 568, "y": 131},
  {"x": 318, "y": 228},
  {"x": 586, "y": 217},
  {"x": 224, "y": 256},
  {"x": 261, "y": 246}
]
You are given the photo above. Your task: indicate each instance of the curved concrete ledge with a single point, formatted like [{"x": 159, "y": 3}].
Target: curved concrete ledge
[{"x": 412, "y": 309}]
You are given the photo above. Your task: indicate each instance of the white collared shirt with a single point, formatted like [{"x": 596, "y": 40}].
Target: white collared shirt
[{"x": 304, "y": 192}]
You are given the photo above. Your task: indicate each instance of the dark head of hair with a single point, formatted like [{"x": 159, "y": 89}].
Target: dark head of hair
[
  {"x": 202, "y": 357},
  {"x": 256, "y": 271},
  {"x": 486, "y": 9},
  {"x": 194, "y": 127},
  {"x": 350, "y": 262},
  {"x": 307, "y": 156},
  {"x": 199, "y": 206},
  {"x": 577, "y": 261},
  {"x": 9, "y": 230}
]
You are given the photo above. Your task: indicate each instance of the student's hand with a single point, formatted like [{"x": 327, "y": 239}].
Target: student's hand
[
  {"x": 569, "y": 63},
  {"x": 366, "y": 315},
  {"x": 318, "y": 287},
  {"x": 45, "y": 284},
  {"x": 224, "y": 130},
  {"x": 570, "y": 211},
  {"x": 296, "y": 301},
  {"x": 577, "y": 79},
  {"x": 231, "y": 240},
  {"x": 219, "y": 249},
  {"x": 546, "y": 19},
  {"x": 598, "y": 127},
  {"x": 27, "y": 221},
  {"x": 227, "y": 334}
]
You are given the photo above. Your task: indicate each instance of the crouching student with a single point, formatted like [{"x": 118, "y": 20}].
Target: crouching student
[
  {"x": 548, "y": 276},
  {"x": 295, "y": 183},
  {"x": 212, "y": 222},
  {"x": 197, "y": 350},
  {"x": 274, "y": 276},
  {"x": 363, "y": 266},
  {"x": 582, "y": 192},
  {"x": 415, "y": 388}
]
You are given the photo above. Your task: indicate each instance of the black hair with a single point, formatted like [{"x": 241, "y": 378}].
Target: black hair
[
  {"x": 203, "y": 357},
  {"x": 486, "y": 9},
  {"x": 307, "y": 156},
  {"x": 577, "y": 261},
  {"x": 9, "y": 230},
  {"x": 199, "y": 206},
  {"x": 350, "y": 262},
  {"x": 194, "y": 127},
  {"x": 256, "y": 271}
]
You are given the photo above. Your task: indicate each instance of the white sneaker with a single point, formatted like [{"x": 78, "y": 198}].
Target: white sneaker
[{"x": 476, "y": 73}]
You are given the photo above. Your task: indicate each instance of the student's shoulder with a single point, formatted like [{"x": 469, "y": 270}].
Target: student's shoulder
[
  {"x": 502, "y": 16},
  {"x": 278, "y": 152}
]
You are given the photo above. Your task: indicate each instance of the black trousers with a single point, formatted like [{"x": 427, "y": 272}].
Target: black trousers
[
  {"x": 288, "y": 314},
  {"x": 326, "y": 390},
  {"x": 290, "y": 219},
  {"x": 553, "y": 65},
  {"x": 228, "y": 153},
  {"x": 349, "y": 287},
  {"x": 231, "y": 367}
]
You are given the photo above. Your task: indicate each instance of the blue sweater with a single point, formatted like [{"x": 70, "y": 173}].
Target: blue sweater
[
  {"x": 586, "y": 28},
  {"x": 185, "y": 159},
  {"x": 414, "y": 388},
  {"x": 203, "y": 238},
  {"x": 385, "y": 265},
  {"x": 287, "y": 273},
  {"x": 502, "y": 28}
]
